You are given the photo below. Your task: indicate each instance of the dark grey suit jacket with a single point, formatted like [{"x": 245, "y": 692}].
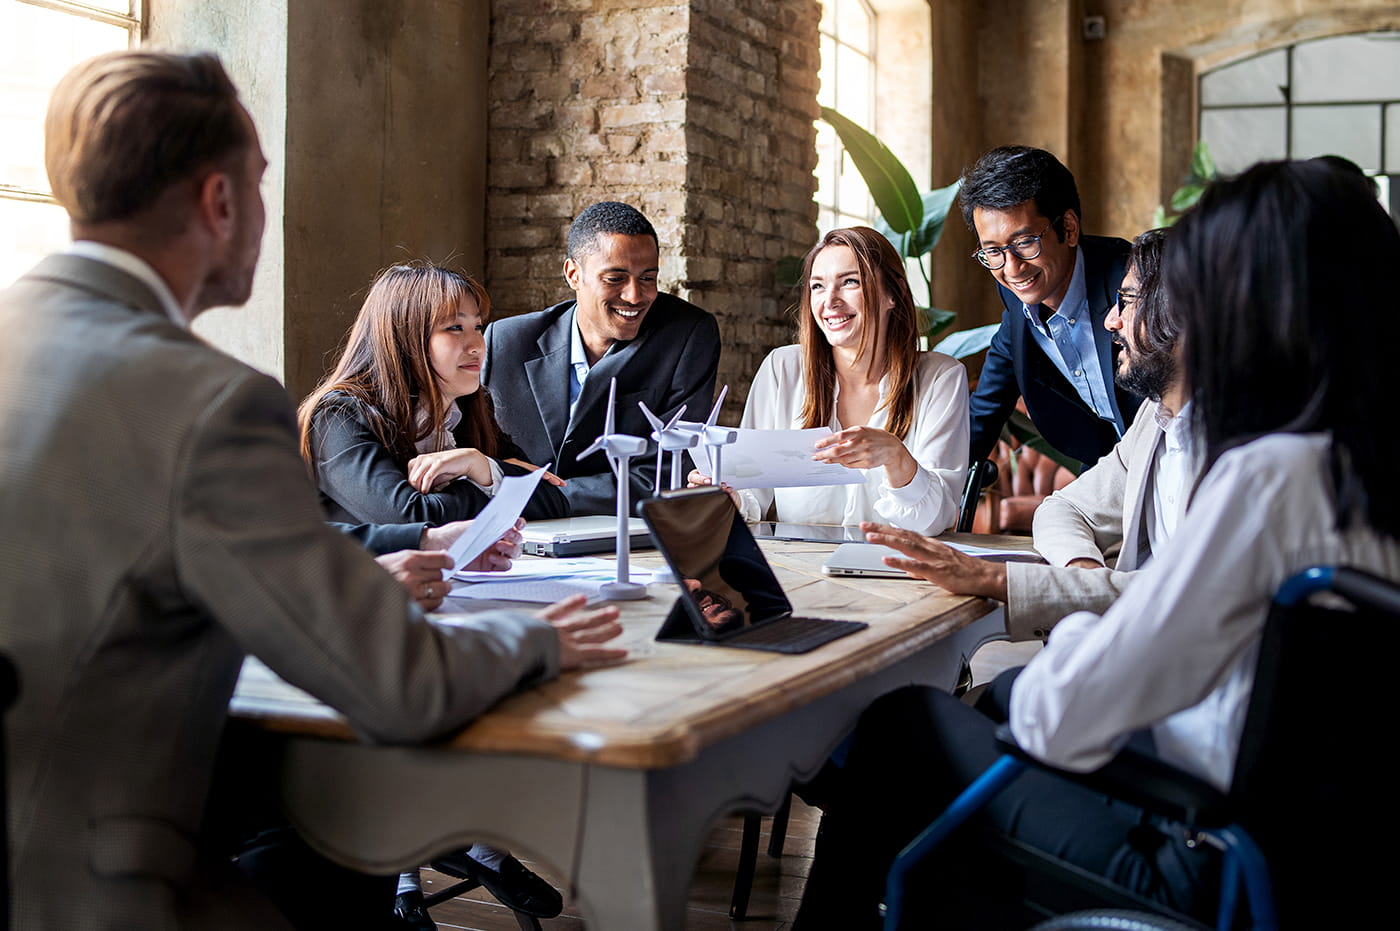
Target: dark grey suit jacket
[
  {"x": 672, "y": 362},
  {"x": 159, "y": 524}
]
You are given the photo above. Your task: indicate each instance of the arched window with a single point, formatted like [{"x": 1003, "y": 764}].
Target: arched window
[
  {"x": 39, "y": 42},
  {"x": 848, "y": 86},
  {"x": 1333, "y": 96}
]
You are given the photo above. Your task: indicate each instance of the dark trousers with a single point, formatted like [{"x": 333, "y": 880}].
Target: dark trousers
[{"x": 913, "y": 751}]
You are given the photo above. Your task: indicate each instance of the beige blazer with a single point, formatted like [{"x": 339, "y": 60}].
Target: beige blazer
[
  {"x": 1090, "y": 517},
  {"x": 158, "y": 524}
]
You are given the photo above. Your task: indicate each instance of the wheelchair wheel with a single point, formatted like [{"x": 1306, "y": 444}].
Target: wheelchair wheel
[{"x": 1112, "y": 919}]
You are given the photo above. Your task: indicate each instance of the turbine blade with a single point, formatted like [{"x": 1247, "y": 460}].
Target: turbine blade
[
  {"x": 714, "y": 411},
  {"x": 597, "y": 445},
  {"x": 674, "y": 420},
  {"x": 652, "y": 419},
  {"x": 608, "y": 424}
]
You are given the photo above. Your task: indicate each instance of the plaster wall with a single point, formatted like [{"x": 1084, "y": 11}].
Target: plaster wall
[{"x": 250, "y": 39}]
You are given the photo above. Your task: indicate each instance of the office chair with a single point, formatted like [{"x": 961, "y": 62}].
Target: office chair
[
  {"x": 1305, "y": 786},
  {"x": 748, "y": 855},
  {"x": 9, "y": 691},
  {"x": 979, "y": 475}
]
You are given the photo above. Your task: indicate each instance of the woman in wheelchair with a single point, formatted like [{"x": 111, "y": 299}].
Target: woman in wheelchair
[{"x": 1292, "y": 393}]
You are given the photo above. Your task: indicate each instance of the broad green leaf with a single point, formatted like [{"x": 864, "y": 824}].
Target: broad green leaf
[
  {"x": 892, "y": 187},
  {"x": 936, "y": 204},
  {"x": 936, "y": 321},
  {"x": 1159, "y": 218},
  {"x": 787, "y": 273},
  {"x": 1202, "y": 165},
  {"x": 966, "y": 343},
  {"x": 1186, "y": 196}
]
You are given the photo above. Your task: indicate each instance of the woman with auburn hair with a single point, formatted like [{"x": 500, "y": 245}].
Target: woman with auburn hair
[
  {"x": 377, "y": 431},
  {"x": 899, "y": 415}
]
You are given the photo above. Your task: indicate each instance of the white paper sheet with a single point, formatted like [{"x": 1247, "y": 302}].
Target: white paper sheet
[
  {"x": 499, "y": 515},
  {"x": 775, "y": 459}
]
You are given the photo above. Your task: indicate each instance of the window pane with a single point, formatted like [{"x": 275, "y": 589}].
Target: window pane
[
  {"x": 28, "y": 232},
  {"x": 1392, "y": 139},
  {"x": 116, "y": 6},
  {"x": 826, "y": 75},
  {"x": 851, "y": 193},
  {"x": 1352, "y": 132},
  {"x": 1347, "y": 68},
  {"x": 853, "y": 23},
  {"x": 37, "y": 46},
  {"x": 1239, "y": 138},
  {"x": 853, "y": 86},
  {"x": 1254, "y": 80}
]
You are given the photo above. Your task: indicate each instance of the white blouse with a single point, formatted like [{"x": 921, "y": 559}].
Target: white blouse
[{"x": 938, "y": 441}]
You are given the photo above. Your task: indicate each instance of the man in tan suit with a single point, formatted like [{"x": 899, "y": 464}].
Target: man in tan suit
[
  {"x": 1127, "y": 503},
  {"x": 159, "y": 525}
]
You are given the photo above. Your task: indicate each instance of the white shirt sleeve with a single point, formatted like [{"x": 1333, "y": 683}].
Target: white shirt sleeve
[
  {"x": 938, "y": 441},
  {"x": 1178, "y": 647}
]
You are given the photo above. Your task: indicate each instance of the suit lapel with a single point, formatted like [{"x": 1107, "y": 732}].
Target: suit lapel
[
  {"x": 549, "y": 376},
  {"x": 1135, "y": 489}
]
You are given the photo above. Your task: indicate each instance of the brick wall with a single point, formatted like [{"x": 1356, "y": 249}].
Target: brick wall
[{"x": 698, "y": 114}]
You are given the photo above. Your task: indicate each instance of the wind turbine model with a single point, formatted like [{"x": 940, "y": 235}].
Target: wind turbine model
[
  {"x": 668, "y": 437},
  {"x": 716, "y": 438},
  {"x": 619, "y": 448}
]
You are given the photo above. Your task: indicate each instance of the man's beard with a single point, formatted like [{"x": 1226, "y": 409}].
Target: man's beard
[{"x": 1149, "y": 375}]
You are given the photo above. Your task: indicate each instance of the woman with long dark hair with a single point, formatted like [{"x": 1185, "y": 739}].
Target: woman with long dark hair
[
  {"x": 899, "y": 415},
  {"x": 1289, "y": 391},
  {"x": 378, "y": 431}
]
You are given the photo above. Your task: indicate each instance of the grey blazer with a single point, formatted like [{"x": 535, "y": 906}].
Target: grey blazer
[
  {"x": 672, "y": 362},
  {"x": 1090, "y": 517},
  {"x": 158, "y": 525}
]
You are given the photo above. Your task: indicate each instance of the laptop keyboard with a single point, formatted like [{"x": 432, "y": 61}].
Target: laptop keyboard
[{"x": 793, "y": 634}]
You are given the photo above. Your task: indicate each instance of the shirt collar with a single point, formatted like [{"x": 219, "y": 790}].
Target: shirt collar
[
  {"x": 1076, "y": 296},
  {"x": 577, "y": 356},
  {"x": 137, "y": 268},
  {"x": 1178, "y": 428}
]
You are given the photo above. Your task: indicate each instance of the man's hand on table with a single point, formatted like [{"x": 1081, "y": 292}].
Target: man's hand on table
[
  {"x": 939, "y": 563},
  {"x": 583, "y": 633}
]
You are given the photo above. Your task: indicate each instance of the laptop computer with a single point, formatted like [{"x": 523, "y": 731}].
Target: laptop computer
[
  {"x": 863, "y": 561},
  {"x": 729, "y": 595},
  {"x": 579, "y": 536}
]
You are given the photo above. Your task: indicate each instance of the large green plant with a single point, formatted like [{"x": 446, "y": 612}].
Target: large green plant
[
  {"x": 911, "y": 221},
  {"x": 1202, "y": 172}
]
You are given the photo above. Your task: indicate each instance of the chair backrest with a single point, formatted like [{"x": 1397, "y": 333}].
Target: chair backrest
[
  {"x": 1308, "y": 784},
  {"x": 980, "y": 474}
]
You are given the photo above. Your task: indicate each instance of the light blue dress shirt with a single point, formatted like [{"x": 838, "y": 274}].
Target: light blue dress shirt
[{"x": 1070, "y": 343}]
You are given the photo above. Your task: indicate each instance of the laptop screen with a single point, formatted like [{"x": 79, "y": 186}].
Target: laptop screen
[{"x": 726, "y": 582}]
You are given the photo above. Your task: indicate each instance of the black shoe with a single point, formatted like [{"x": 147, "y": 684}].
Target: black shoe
[
  {"x": 514, "y": 886},
  {"x": 408, "y": 907}
]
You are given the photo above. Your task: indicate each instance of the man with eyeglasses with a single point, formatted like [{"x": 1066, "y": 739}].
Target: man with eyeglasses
[
  {"x": 1057, "y": 285},
  {"x": 1128, "y": 503}
]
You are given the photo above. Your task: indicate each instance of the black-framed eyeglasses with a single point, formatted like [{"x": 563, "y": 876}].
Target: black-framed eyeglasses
[
  {"x": 1024, "y": 248},
  {"x": 1126, "y": 297}
]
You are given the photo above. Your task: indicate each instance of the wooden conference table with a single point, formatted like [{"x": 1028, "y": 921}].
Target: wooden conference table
[{"x": 615, "y": 776}]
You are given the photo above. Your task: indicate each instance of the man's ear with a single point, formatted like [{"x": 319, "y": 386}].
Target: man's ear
[
  {"x": 217, "y": 208},
  {"x": 572, "y": 273},
  {"x": 1071, "y": 222}
]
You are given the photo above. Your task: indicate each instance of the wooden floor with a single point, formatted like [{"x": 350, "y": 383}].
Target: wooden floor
[{"x": 777, "y": 887}]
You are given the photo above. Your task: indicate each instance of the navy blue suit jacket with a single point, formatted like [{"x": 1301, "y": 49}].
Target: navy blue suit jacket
[
  {"x": 672, "y": 361},
  {"x": 1017, "y": 367}
]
